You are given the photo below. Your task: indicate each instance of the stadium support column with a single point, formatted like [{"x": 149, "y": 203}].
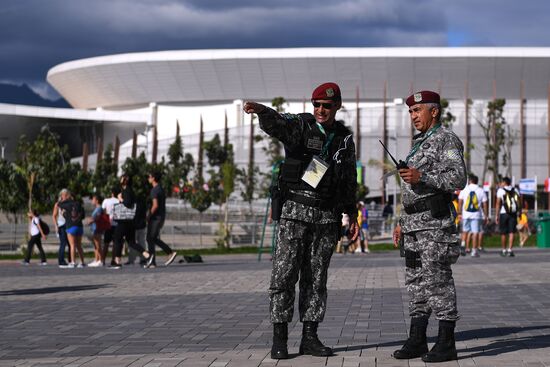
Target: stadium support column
[
  {"x": 467, "y": 126},
  {"x": 523, "y": 149},
  {"x": 85, "y": 154},
  {"x": 548, "y": 138},
  {"x": 99, "y": 150},
  {"x": 134, "y": 145},
  {"x": 153, "y": 128},
  {"x": 357, "y": 127},
  {"x": 117, "y": 151},
  {"x": 385, "y": 139}
]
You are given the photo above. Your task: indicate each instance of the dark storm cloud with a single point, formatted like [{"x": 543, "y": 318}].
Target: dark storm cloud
[{"x": 35, "y": 35}]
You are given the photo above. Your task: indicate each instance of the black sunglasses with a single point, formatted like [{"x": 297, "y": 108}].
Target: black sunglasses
[{"x": 327, "y": 105}]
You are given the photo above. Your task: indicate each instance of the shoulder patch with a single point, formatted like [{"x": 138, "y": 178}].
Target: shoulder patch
[{"x": 453, "y": 154}]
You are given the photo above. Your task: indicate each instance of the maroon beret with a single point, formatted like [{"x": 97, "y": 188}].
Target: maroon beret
[
  {"x": 327, "y": 91},
  {"x": 425, "y": 96}
]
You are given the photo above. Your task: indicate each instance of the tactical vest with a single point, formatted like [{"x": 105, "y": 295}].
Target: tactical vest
[{"x": 297, "y": 158}]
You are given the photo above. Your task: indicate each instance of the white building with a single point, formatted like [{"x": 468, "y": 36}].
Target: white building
[{"x": 182, "y": 86}]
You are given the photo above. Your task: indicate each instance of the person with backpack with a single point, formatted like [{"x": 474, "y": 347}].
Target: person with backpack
[
  {"x": 508, "y": 206},
  {"x": 99, "y": 223},
  {"x": 472, "y": 209},
  {"x": 38, "y": 233}
]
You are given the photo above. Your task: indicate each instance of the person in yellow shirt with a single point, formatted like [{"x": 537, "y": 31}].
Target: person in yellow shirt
[{"x": 523, "y": 227}]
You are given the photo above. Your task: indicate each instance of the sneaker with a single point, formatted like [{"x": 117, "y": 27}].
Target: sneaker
[
  {"x": 25, "y": 263},
  {"x": 474, "y": 253},
  {"x": 171, "y": 258},
  {"x": 152, "y": 266},
  {"x": 63, "y": 264},
  {"x": 511, "y": 253},
  {"x": 95, "y": 264},
  {"x": 114, "y": 265},
  {"x": 150, "y": 260},
  {"x": 481, "y": 249},
  {"x": 43, "y": 263},
  {"x": 71, "y": 265},
  {"x": 81, "y": 265},
  {"x": 462, "y": 250},
  {"x": 503, "y": 253}
]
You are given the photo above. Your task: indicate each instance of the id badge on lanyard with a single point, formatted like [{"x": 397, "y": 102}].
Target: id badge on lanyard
[{"x": 315, "y": 171}]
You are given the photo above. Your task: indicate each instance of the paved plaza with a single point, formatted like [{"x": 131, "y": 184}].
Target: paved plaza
[{"x": 216, "y": 313}]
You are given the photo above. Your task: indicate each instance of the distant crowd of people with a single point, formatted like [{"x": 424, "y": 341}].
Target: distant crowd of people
[
  {"x": 473, "y": 217},
  {"x": 115, "y": 220}
]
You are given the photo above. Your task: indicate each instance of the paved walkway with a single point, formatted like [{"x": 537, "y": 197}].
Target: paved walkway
[{"x": 215, "y": 313}]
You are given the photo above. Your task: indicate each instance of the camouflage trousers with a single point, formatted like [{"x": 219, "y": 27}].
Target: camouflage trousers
[
  {"x": 430, "y": 283},
  {"x": 302, "y": 250}
]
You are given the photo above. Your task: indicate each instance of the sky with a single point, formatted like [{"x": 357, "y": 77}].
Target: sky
[{"x": 36, "y": 35}]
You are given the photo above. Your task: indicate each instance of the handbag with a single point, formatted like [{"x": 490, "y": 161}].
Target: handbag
[{"x": 122, "y": 212}]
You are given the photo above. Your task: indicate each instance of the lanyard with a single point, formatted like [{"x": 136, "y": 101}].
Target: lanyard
[
  {"x": 327, "y": 143},
  {"x": 417, "y": 145}
]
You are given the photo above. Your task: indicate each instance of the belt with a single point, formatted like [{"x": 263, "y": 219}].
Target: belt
[
  {"x": 313, "y": 202},
  {"x": 425, "y": 204},
  {"x": 418, "y": 207}
]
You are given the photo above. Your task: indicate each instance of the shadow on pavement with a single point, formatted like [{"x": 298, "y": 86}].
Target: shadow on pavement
[
  {"x": 494, "y": 348},
  {"x": 48, "y": 290}
]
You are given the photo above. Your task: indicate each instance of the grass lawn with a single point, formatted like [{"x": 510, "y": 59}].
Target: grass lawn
[{"x": 488, "y": 242}]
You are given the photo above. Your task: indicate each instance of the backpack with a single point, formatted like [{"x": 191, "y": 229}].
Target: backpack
[
  {"x": 510, "y": 201},
  {"x": 472, "y": 202},
  {"x": 45, "y": 227},
  {"x": 103, "y": 222}
]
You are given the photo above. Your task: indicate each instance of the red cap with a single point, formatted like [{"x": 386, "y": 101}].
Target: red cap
[
  {"x": 425, "y": 96},
  {"x": 327, "y": 91}
]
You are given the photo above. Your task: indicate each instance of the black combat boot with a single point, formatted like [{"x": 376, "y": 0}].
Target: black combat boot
[
  {"x": 280, "y": 337},
  {"x": 310, "y": 343},
  {"x": 416, "y": 345},
  {"x": 444, "y": 349}
]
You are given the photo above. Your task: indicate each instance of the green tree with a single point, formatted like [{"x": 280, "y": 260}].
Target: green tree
[
  {"x": 447, "y": 117},
  {"x": 494, "y": 131},
  {"x": 178, "y": 167},
  {"x": 222, "y": 179},
  {"x": 46, "y": 168},
  {"x": 12, "y": 193},
  {"x": 105, "y": 177}
]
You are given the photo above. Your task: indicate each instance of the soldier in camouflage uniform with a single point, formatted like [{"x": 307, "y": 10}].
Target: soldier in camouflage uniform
[
  {"x": 317, "y": 182},
  {"x": 427, "y": 228}
]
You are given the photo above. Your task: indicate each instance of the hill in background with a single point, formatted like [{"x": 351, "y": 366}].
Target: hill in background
[{"x": 23, "y": 94}]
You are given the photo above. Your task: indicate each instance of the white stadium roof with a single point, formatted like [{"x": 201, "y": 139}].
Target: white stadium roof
[{"x": 211, "y": 76}]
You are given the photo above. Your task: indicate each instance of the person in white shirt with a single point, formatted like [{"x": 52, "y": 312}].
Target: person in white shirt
[
  {"x": 508, "y": 208},
  {"x": 36, "y": 233},
  {"x": 472, "y": 209},
  {"x": 108, "y": 236}
]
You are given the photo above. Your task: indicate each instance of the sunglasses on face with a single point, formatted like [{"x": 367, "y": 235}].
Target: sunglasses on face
[{"x": 326, "y": 106}]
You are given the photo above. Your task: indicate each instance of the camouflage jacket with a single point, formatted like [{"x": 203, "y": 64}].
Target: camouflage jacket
[
  {"x": 290, "y": 130},
  {"x": 440, "y": 159}
]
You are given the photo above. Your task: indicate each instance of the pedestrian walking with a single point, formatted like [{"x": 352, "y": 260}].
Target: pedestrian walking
[
  {"x": 125, "y": 228},
  {"x": 155, "y": 220},
  {"x": 318, "y": 183},
  {"x": 472, "y": 210},
  {"x": 508, "y": 208},
  {"x": 107, "y": 205},
  {"x": 435, "y": 169},
  {"x": 37, "y": 234}
]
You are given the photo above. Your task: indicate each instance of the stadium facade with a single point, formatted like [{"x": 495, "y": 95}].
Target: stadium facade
[{"x": 186, "y": 86}]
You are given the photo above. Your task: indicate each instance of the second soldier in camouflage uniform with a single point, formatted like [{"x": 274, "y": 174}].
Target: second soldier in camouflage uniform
[
  {"x": 309, "y": 225},
  {"x": 435, "y": 170}
]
